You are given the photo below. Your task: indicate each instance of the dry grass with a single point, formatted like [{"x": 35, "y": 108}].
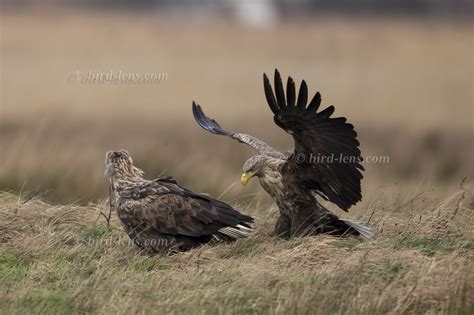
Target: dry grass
[{"x": 63, "y": 259}]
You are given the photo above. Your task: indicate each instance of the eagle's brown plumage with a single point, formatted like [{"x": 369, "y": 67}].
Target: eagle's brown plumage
[
  {"x": 160, "y": 215},
  {"x": 326, "y": 161}
]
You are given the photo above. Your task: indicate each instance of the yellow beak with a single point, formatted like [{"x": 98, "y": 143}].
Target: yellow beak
[{"x": 245, "y": 178}]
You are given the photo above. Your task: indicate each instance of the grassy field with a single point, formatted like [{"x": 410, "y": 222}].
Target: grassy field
[
  {"x": 405, "y": 84},
  {"x": 64, "y": 259}
]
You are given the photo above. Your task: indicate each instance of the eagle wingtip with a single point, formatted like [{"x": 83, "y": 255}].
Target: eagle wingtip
[
  {"x": 265, "y": 78},
  {"x": 195, "y": 108}
]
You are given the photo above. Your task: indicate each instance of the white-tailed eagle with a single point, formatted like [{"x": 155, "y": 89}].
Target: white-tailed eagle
[
  {"x": 326, "y": 161},
  {"x": 161, "y": 216}
]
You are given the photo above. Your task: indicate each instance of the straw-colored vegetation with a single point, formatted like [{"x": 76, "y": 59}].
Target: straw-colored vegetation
[{"x": 63, "y": 259}]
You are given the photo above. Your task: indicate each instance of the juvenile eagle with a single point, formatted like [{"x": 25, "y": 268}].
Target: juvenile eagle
[
  {"x": 325, "y": 161},
  {"x": 160, "y": 215}
]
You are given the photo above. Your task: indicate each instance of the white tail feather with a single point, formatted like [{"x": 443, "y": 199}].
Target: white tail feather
[
  {"x": 365, "y": 232},
  {"x": 239, "y": 231}
]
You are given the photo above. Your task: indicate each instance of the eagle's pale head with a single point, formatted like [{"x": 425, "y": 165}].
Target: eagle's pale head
[
  {"x": 260, "y": 166},
  {"x": 119, "y": 165}
]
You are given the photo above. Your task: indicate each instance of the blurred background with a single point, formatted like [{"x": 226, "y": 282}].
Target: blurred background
[{"x": 79, "y": 78}]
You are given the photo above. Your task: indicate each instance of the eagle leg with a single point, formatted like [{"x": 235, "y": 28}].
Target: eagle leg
[{"x": 283, "y": 227}]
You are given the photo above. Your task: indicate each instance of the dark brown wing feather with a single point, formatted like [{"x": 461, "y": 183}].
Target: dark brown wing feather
[
  {"x": 326, "y": 156},
  {"x": 168, "y": 208}
]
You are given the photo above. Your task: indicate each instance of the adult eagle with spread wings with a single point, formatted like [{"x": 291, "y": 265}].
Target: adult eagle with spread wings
[
  {"x": 325, "y": 162},
  {"x": 161, "y": 216}
]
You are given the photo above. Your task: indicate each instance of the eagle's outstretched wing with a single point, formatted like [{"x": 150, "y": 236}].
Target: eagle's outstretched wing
[
  {"x": 212, "y": 126},
  {"x": 165, "y": 207},
  {"x": 326, "y": 155}
]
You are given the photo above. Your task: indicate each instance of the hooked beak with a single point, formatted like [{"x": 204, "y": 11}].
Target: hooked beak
[{"x": 244, "y": 179}]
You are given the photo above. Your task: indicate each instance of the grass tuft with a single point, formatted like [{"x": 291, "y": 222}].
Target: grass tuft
[{"x": 430, "y": 247}]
